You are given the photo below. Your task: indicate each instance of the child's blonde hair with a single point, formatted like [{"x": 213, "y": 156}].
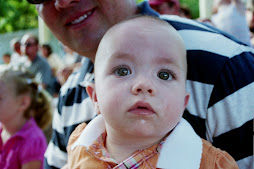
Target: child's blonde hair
[{"x": 22, "y": 82}]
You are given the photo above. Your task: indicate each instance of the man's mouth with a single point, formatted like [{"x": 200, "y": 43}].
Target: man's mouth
[{"x": 80, "y": 18}]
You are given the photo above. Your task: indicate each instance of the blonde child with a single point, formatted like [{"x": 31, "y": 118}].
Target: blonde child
[
  {"x": 139, "y": 92},
  {"x": 24, "y": 111}
]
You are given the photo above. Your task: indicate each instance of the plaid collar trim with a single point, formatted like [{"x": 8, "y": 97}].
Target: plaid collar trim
[
  {"x": 98, "y": 149},
  {"x": 182, "y": 143}
]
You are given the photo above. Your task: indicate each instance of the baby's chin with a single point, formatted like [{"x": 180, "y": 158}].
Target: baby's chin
[{"x": 144, "y": 130}]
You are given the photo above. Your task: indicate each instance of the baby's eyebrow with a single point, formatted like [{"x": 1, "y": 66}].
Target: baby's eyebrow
[
  {"x": 121, "y": 55},
  {"x": 165, "y": 60},
  {"x": 170, "y": 61}
]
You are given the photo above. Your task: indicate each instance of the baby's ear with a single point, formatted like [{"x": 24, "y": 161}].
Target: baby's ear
[
  {"x": 90, "y": 89},
  {"x": 186, "y": 99}
]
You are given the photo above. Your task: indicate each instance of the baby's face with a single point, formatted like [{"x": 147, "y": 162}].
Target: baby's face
[{"x": 140, "y": 80}]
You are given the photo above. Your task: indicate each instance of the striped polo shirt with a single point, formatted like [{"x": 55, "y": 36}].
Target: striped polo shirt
[{"x": 220, "y": 81}]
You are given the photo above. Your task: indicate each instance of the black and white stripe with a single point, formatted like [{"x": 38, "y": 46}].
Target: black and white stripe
[
  {"x": 221, "y": 84},
  {"x": 74, "y": 107}
]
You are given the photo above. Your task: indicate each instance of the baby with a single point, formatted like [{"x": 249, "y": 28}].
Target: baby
[{"x": 140, "y": 96}]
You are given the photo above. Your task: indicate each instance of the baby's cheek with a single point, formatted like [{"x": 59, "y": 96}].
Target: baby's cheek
[{"x": 174, "y": 112}]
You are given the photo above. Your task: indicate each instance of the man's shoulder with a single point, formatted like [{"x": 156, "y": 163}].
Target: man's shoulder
[{"x": 204, "y": 31}]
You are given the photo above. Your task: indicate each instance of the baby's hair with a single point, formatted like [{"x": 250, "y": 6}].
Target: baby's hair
[{"x": 22, "y": 82}]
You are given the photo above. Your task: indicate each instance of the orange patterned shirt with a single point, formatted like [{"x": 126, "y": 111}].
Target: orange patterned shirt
[{"x": 97, "y": 156}]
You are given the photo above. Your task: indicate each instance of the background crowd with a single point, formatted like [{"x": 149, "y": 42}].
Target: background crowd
[{"x": 49, "y": 68}]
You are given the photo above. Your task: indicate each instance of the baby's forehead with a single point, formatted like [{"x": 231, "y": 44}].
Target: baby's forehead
[{"x": 134, "y": 31}]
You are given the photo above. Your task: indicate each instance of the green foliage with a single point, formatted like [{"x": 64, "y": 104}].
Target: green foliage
[
  {"x": 193, "y": 5},
  {"x": 17, "y": 15},
  {"x": 138, "y": 1}
]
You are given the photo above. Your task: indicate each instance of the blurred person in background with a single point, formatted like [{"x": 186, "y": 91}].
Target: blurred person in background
[
  {"x": 6, "y": 58},
  {"x": 72, "y": 63},
  {"x": 55, "y": 63},
  {"x": 250, "y": 18},
  {"x": 170, "y": 7},
  {"x": 17, "y": 58},
  {"x": 53, "y": 59},
  {"x": 185, "y": 12},
  {"x": 39, "y": 65},
  {"x": 71, "y": 57},
  {"x": 25, "y": 112},
  {"x": 229, "y": 16},
  {"x": 250, "y": 14}
]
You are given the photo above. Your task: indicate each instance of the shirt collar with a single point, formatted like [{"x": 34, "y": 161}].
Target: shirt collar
[
  {"x": 182, "y": 148},
  {"x": 182, "y": 144},
  {"x": 26, "y": 128}
]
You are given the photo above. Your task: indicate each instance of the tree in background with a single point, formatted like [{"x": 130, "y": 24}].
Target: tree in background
[{"x": 17, "y": 15}]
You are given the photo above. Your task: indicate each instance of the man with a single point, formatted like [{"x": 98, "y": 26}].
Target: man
[
  {"x": 39, "y": 65},
  {"x": 220, "y": 78},
  {"x": 170, "y": 7}
]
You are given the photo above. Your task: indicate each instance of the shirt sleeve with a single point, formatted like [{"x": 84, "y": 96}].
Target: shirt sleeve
[
  {"x": 214, "y": 158},
  {"x": 224, "y": 161},
  {"x": 230, "y": 109}
]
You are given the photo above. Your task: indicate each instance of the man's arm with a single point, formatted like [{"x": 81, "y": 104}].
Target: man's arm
[{"x": 230, "y": 109}]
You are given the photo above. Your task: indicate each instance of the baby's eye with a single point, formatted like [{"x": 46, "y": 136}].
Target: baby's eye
[
  {"x": 122, "y": 71},
  {"x": 165, "y": 75}
]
